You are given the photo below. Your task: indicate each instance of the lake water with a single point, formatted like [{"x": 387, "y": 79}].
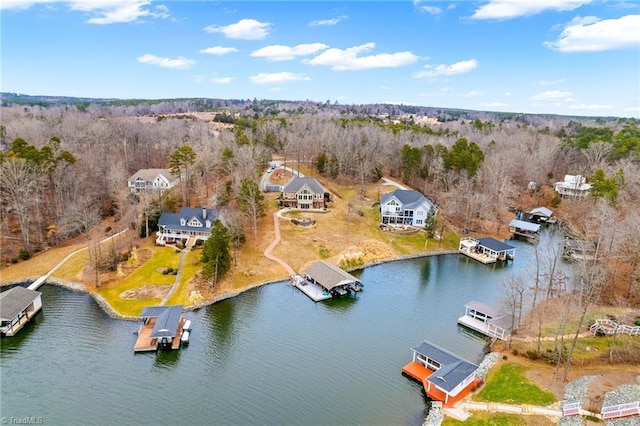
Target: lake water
[{"x": 268, "y": 356}]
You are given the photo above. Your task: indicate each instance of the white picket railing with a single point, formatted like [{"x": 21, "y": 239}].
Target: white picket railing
[{"x": 621, "y": 410}]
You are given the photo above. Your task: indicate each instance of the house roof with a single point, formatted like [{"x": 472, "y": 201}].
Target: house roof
[
  {"x": 494, "y": 244},
  {"x": 296, "y": 183},
  {"x": 167, "y": 319},
  {"x": 409, "y": 198},
  {"x": 329, "y": 275},
  {"x": 454, "y": 369},
  {"x": 172, "y": 220},
  {"x": 541, "y": 211},
  {"x": 150, "y": 174},
  {"x": 16, "y": 300},
  {"x": 527, "y": 226}
]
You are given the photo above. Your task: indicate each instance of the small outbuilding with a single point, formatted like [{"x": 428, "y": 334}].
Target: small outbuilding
[{"x": 17, "y": 306}]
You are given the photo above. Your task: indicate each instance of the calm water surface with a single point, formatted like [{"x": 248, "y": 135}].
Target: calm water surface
[{"x": 268, "y": 356}]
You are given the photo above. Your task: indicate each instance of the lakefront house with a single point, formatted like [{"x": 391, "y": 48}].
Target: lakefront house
[
  {"x": 187, "y": 227},
  {"x": 405, "y": 207},
  {"x": 152, "y": 180},
  {"x": 302, "y": 193}
]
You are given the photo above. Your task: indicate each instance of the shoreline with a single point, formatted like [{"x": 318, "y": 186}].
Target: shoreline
[{"x": 106, "y": 307}]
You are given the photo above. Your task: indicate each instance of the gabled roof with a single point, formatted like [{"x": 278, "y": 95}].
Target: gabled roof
[
  {"x": 172, "y": 220},
  {"x": 494, "y": 245},
  {"x": 541, "y": 211},
  {"x": 149, "y": 175},
  {"x": 454, "y": 369},
  {"x": 329, "y": 275},
  {"x": 485, "y": 309},
  {"x": 409, "y": 198},
  {"x": 167, "y": 319},
  {"x": 296, "y": 183},
  {"x": 16, "y": 300},
  {"x": 527, "y": 226}
]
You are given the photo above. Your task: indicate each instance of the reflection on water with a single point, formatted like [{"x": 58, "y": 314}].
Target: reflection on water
[{"x": 268, "y": 356}]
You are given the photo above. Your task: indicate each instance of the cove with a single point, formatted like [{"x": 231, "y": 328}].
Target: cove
[{"x": 267, "y": 356}]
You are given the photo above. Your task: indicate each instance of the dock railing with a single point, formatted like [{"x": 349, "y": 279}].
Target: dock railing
[
  {"x": 608, "y": 327},
  {"x": 621, "y": 410}
]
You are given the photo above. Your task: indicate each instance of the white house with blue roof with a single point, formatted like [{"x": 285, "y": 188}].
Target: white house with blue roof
[
  {"x": 406, "y": 207},
  {"x": 188, "y": 226}
]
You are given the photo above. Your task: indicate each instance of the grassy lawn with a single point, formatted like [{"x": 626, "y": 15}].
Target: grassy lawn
[
  {"x": 147, "y": 274},
  {"x": 491, "y": 419},
  {"x": 189, "y": 269},
  {"x": 508, "y": 384}
]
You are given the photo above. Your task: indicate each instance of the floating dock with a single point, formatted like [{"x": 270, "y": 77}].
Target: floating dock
[
  {"x": 486, "y": 250},
  {"x": 323, "y": 280},
  {"x": 486, "y": 320}
]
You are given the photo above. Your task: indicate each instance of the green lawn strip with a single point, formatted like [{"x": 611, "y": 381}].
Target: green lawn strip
[
  {"x": 508, "y": 384},
  {"x": 189, "y": 269},
  {"x": 150, "y": 273},
  {"x": 488, "y": 419}
]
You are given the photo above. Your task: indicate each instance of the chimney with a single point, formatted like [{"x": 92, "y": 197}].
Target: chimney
[{"x": 204, "y": 213}]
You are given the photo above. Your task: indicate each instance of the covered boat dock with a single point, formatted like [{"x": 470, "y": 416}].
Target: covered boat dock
[
  {"x": 162, "y": 328},
  {"x": 486, "y": 320},
  {"x": 486, "y": 250},
  {"x": 525, "y": 229},
  {"x": 445, "y": 377},
  {"x": 17, "y": 306},
  {"x": 323, "y": 280}
]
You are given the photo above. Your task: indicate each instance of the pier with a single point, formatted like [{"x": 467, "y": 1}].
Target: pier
[
  {"x": 486, "y": 320},
  {"x": 486, "y": 250}
]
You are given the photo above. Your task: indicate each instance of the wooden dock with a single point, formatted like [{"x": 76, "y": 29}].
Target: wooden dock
[
  {"x": 314, "y": 291},
  {"x": 480, "y": 257},
  {"x": 486, "y": 320},
  {"x": 145, "y": 343}
]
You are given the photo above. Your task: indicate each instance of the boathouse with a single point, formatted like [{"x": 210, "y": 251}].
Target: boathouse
[
  {"x": 161, "y": 329},
  {"x": 486, "y": 250},
  {"x": 525, "y": 229},
  {"x": 446, "y": 377},
  {"x": 541, "y": 215},
  {"x": 486, "y": 320},
  {"x": 17, "y": 306},
  {"x": 322, "y": 280}
]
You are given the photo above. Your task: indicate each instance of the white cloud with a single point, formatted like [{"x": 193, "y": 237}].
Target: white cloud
[
  {"x": 507, "y": 93},
  {"x": 219, "y": 50},
  {"x": 553, "y": 95},
  {"x": 277, "y": 77},
  {"x": 431, "y": 10},
  {"x": 551, "y": 82},
  {"x": 101, "y": 11},
  {"x": 245, "y": 29},
  {"x": 285, "y": 53},
  {"x": 590, "y": 107},
  {"x": 180, "y": 62},
  {"x": 591, "y": 35},
  {"x": 461, "y": 67},
  {"x": 495, "y": 104},
  {"x": 508, "y": 9},
  {"x": 221, "y": 80},
  {"x": 348, "y": 59},
  {"x": 327, "y": 22},
  {"x": 472, "y": 94}
]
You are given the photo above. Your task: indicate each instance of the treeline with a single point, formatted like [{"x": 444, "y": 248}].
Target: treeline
[{"x": 474, "y": 168}]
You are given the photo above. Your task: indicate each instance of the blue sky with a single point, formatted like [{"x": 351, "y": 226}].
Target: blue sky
[{"x": 572, "y": 57}]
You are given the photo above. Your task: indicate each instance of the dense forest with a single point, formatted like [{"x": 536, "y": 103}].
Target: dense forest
[{"x": 64, "y": 164}]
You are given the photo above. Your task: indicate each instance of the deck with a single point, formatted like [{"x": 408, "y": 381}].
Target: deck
[
  {"x": 145, "y": 343},
  {"x": 315, "y": 292},
  {"x": 420, "y": 373},
  {"x": 482, "y": 327},
  {"x": 480, "y": 257}
]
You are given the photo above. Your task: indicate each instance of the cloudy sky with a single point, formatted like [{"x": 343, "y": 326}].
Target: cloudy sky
[{"x": 575, "y": 57}]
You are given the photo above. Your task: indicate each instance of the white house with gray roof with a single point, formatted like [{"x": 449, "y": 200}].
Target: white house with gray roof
[
  {"x": 302, "y": 193},
  {"x": 405, "y": 207},
  {"x": 152, "y": 180},
  {"x": 189, "y": 225}
]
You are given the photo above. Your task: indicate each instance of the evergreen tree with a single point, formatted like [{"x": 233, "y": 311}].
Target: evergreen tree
[{"x": 216, "y": 255}]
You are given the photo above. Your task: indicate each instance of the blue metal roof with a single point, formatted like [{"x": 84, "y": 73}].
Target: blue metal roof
[
  {"x": 167, "y": 319},
  {"x": 454, "y": 369},
  {"x": 172, "y": 220},
  {"x": 494, "y": 244}
]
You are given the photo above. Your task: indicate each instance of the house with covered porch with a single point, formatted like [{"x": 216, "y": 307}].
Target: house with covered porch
[
  {"x": 187, "y": 227},
  {"x": 302, "y": 193},
  {"x": 406, "y": 207},
  {"x": 152, "y": 180}
]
